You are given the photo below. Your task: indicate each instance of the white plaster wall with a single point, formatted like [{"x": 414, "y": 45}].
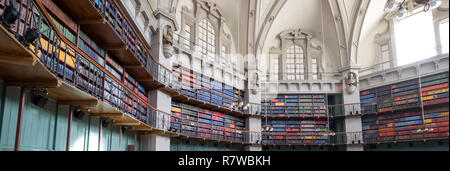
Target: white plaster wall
[{"x": 374, "y": 24}]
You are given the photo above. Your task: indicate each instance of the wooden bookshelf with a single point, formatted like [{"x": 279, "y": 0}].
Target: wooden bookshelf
[
  {"x": 413, "y": 111},
  {"x": 296, "y": 106},
  {"x": 203, "y": 89},
  {"x": 296, "y": 132},
  {"x": 208, "y": 124}
]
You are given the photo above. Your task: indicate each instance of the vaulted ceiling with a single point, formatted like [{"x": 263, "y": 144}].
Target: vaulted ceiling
[{"x": 255, "y": 24}]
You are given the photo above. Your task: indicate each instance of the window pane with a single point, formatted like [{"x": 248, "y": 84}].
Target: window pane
[
  {"x": 415, "y": 38},
  {"x": 443, "y": 29}
]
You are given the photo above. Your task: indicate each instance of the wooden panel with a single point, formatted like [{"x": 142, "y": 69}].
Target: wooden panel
[
  {"x": 93, "y": 134},
  {"x": 9, "y": 119},
  {"x": 62, "y": 119},
  {"x": 60, "y": 14},
  {"x": 38, "y": 126},
  {"x": 79, "y": 10},
  {"x": 127, "y": 139},
  {"x": 13, "y": 72},
  {"x": 2, "y": 90},
  {"x": 114, "y": 140},
  {"x": 79, "y": 134},
  {"x": 105, "y": 144}
]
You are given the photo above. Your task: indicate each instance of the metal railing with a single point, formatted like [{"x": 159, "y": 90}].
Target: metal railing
[{"x": 72, "y": 65}]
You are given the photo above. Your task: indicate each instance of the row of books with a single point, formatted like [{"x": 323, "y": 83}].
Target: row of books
[
  {"x": 206, "y": 124},
  {"x": 408, "y": 94},
  {"x": 406, "y": 126},
  {"x": 296, "y": 106},
  {"x": 205, "y": 89},
  {"x": 296, "y": 131}
]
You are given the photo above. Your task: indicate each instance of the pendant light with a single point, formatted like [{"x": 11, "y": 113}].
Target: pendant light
[{"x": 391, "y": 6}]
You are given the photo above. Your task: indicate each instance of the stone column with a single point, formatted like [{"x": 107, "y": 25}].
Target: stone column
[
  {"x": 158, "y": 98},
  {"x": 351, "y": 95},
  {"x": 252, "y": 94}
]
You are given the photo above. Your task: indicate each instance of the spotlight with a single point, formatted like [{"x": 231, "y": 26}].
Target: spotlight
[
  {"x": 434, "y": 3},
  {"x": 39, "y": 100},
  {"x": 10, "y": 14},
  {"x": 30, "y": 36},
  {"x": 78, "y": 114},
  {"x": 172, "y": 129},
  {"x": 391, "y": 5},
  {"x": 45, "y": 92},
  {"x": 105, "y": 123},
  {"x": 402, "y": 13}
]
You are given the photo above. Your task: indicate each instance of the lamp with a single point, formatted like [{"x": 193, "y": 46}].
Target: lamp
[
  {"x": 401, "y": 13},
  {"x": 30, "y": 36},
  {"x": 434, "y": 3},
  {"x": 39, "y": 100},
  {"x": 78, "y": 113},
  {"x": 391, "y": 6},
  {"x": 105, "y": 123},
  {"x": 429, "y": 4},
  {"x": 10, "y": 14}
]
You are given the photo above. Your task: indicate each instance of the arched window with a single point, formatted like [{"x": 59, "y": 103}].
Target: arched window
[
  {"x": 295, "y": 63},
  {"x": 207, "y": 39}
]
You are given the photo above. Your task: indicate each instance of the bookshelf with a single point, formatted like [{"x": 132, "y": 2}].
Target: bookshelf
[
  {"x": 296, "y": 132},
  {"x": 205, "y": 89},
  {"x": 296, "y": 106},
  {"x": 435, "y": 89},
  {"x": 101, "y": 56},
  {"x": 369, "y": 100},
  {"x": 401, "y": 114},
  {"x": 208, "y": 124}
]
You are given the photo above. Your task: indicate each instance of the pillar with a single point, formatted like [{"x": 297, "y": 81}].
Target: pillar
[
  {"x": 155, "y": 142},
  {"x": 351, "y": 95},
  {"x": 165, "y": 19}
]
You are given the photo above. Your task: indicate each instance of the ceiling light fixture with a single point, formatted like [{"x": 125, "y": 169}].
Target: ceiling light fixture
[
  {"x": 400, "y": 10},
  {"x": 391, "y": 6}
]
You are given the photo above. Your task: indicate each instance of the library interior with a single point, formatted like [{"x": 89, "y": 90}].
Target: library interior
[{"x": 224, "y": 75}]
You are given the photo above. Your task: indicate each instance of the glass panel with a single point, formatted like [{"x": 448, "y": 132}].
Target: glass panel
[
  {"x": 444, "y": 30},
  {"x": 415, "y": 38}
]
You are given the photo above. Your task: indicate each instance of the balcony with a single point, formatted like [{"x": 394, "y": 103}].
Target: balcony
[{"x": 105, "y": 22}]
